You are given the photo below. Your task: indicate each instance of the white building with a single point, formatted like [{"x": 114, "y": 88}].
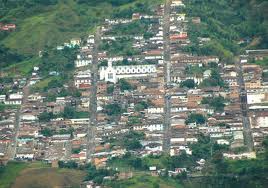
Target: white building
[
  {"x": 262, "y": 121},
  {"x": 177, "y": 140},
  {"x": 82, "y": 78},
  {"x": 179, "y": 109},
  {"x": 150, "y": 127},
  {"x": 14, "y": 99},
  {"x": 82, "y": 62},
  {"x": 75, "y": 42},
  {"x": 177, "y": 3},
  {"x": 114, "y": 73},
  {"x": 253, "y": 98},
  {"x": 2, "y": 98},
  {"x": 155, "y": 110},
  {"x": 178, "y": 79},
  {"x": 60, "y": 100},
  {"x": 34, "y": 98},
  {"x": 29, "y": 117},
  {"x": 90, "y": 39},
  {"x": 223, "y": 142},
  {"x": 249, "y": 155},
  {"x": 28, "y": 156},
  {"x": 177, "y": 150},
  {"x": 116, "y": 58}
]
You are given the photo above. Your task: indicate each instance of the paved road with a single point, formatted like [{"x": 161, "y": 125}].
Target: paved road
[
  {"x": 93, "y": 97},
  {"x": 248, "y": 139},
  {"x": 13, "y": 147},
  {"x": 166, "y": 30},
  {"x": 167, "y": 116}
]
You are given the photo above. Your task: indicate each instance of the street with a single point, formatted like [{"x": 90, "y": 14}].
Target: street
[
  {"x": 248, "y": 139},
  {"x": 166, "y": 28},
  {"x": 93, "y": 97}
]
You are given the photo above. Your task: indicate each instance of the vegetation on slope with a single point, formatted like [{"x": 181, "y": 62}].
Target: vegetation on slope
[
  {"x": 226, "y": 22},
  {"x": 37, "y": 174},
  {"x": 48, "y": 23}
]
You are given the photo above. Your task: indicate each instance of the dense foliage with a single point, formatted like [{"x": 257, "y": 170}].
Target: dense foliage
[
  {"x": 217, "y": 103},
  {"x": 125, "y": 85},
  {"x": 227, "y": 23},
  {"x": 189, "y": 83},
  {"x": 8, "y": 57},
  {"x": 113, "y": 109},
  {"x": 43, "y": 23},
  {"x": 196, "y": 118}
]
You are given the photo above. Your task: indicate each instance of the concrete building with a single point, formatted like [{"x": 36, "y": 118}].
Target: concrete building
[{"x": 82, "y": 78}]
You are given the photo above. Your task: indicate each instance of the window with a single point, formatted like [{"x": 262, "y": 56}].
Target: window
[{"x": 110, "y": 76}]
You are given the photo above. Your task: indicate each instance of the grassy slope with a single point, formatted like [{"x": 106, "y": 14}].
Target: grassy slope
[
  {"x": 25, "y": 175},
  {"x": 12, "y": 171},
  {"x": 53, "y": 27},
  {"x": 23, "y": 68},
  {"x": 42, "y": 26},
  {"x": 56, "y": 24},
  {"x": 48, "y": 177},
  {"x": 148, "y": 181}
]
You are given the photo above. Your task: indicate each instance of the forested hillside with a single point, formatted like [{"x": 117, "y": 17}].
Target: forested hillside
[
  {"x": 233, "y": 25},
  {"x": 43, "y": 23}
]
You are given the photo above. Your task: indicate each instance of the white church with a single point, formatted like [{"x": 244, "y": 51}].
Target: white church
[{"x": 112, "y": 73}]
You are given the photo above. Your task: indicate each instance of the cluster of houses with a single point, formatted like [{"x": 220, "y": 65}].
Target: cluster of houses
[{"x": 131, "y": 96}]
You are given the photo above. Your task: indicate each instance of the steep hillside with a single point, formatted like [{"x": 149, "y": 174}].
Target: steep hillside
[
  {"x": 227, "y": 23},
  {"x": 43, "y": 23}
]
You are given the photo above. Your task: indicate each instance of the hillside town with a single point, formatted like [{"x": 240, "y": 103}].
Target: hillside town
[{"x": 133, "y": 78}]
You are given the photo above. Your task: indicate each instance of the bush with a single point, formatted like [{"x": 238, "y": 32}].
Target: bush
[
  {"x": 217, "y": 103},
  {"x": 188, "y": 83},
  {"x": 69, "y": 112},
  {"x": 69, "y": 164},
  {"x": 45, "y": 117},
  {"x": 113, "y": 109},
  {"x": 196, "y": 118},
  {"x": 110, "y": 89},
  {"x": 124, "y": 85}
]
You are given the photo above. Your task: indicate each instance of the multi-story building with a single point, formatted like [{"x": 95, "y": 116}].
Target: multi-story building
[{"x": 82, "y": 79}]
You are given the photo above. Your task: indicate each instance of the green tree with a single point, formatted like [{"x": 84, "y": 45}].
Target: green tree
[
  {"x": 220, "y": 165},
  {"x": 124, "y": 85},
  {"x": 140, "y": 106},
  {"x": 132, "y": 140},
  {"x": 156, "y": 185},
  {"x": 217, "y": 103},
  {"x": 69, "y": 112},
  {"x": 214, "y": 80},
  {"x": 45, "y": 116},
  {"x": 188, "y": 83},
  {"x": 196, "y": 118},
  {"x": 113, "y": 109},
  {"x": 47, "y": 132},
  {"x": 110, "y": 89},
  {"x": 265, "y": 145}
]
